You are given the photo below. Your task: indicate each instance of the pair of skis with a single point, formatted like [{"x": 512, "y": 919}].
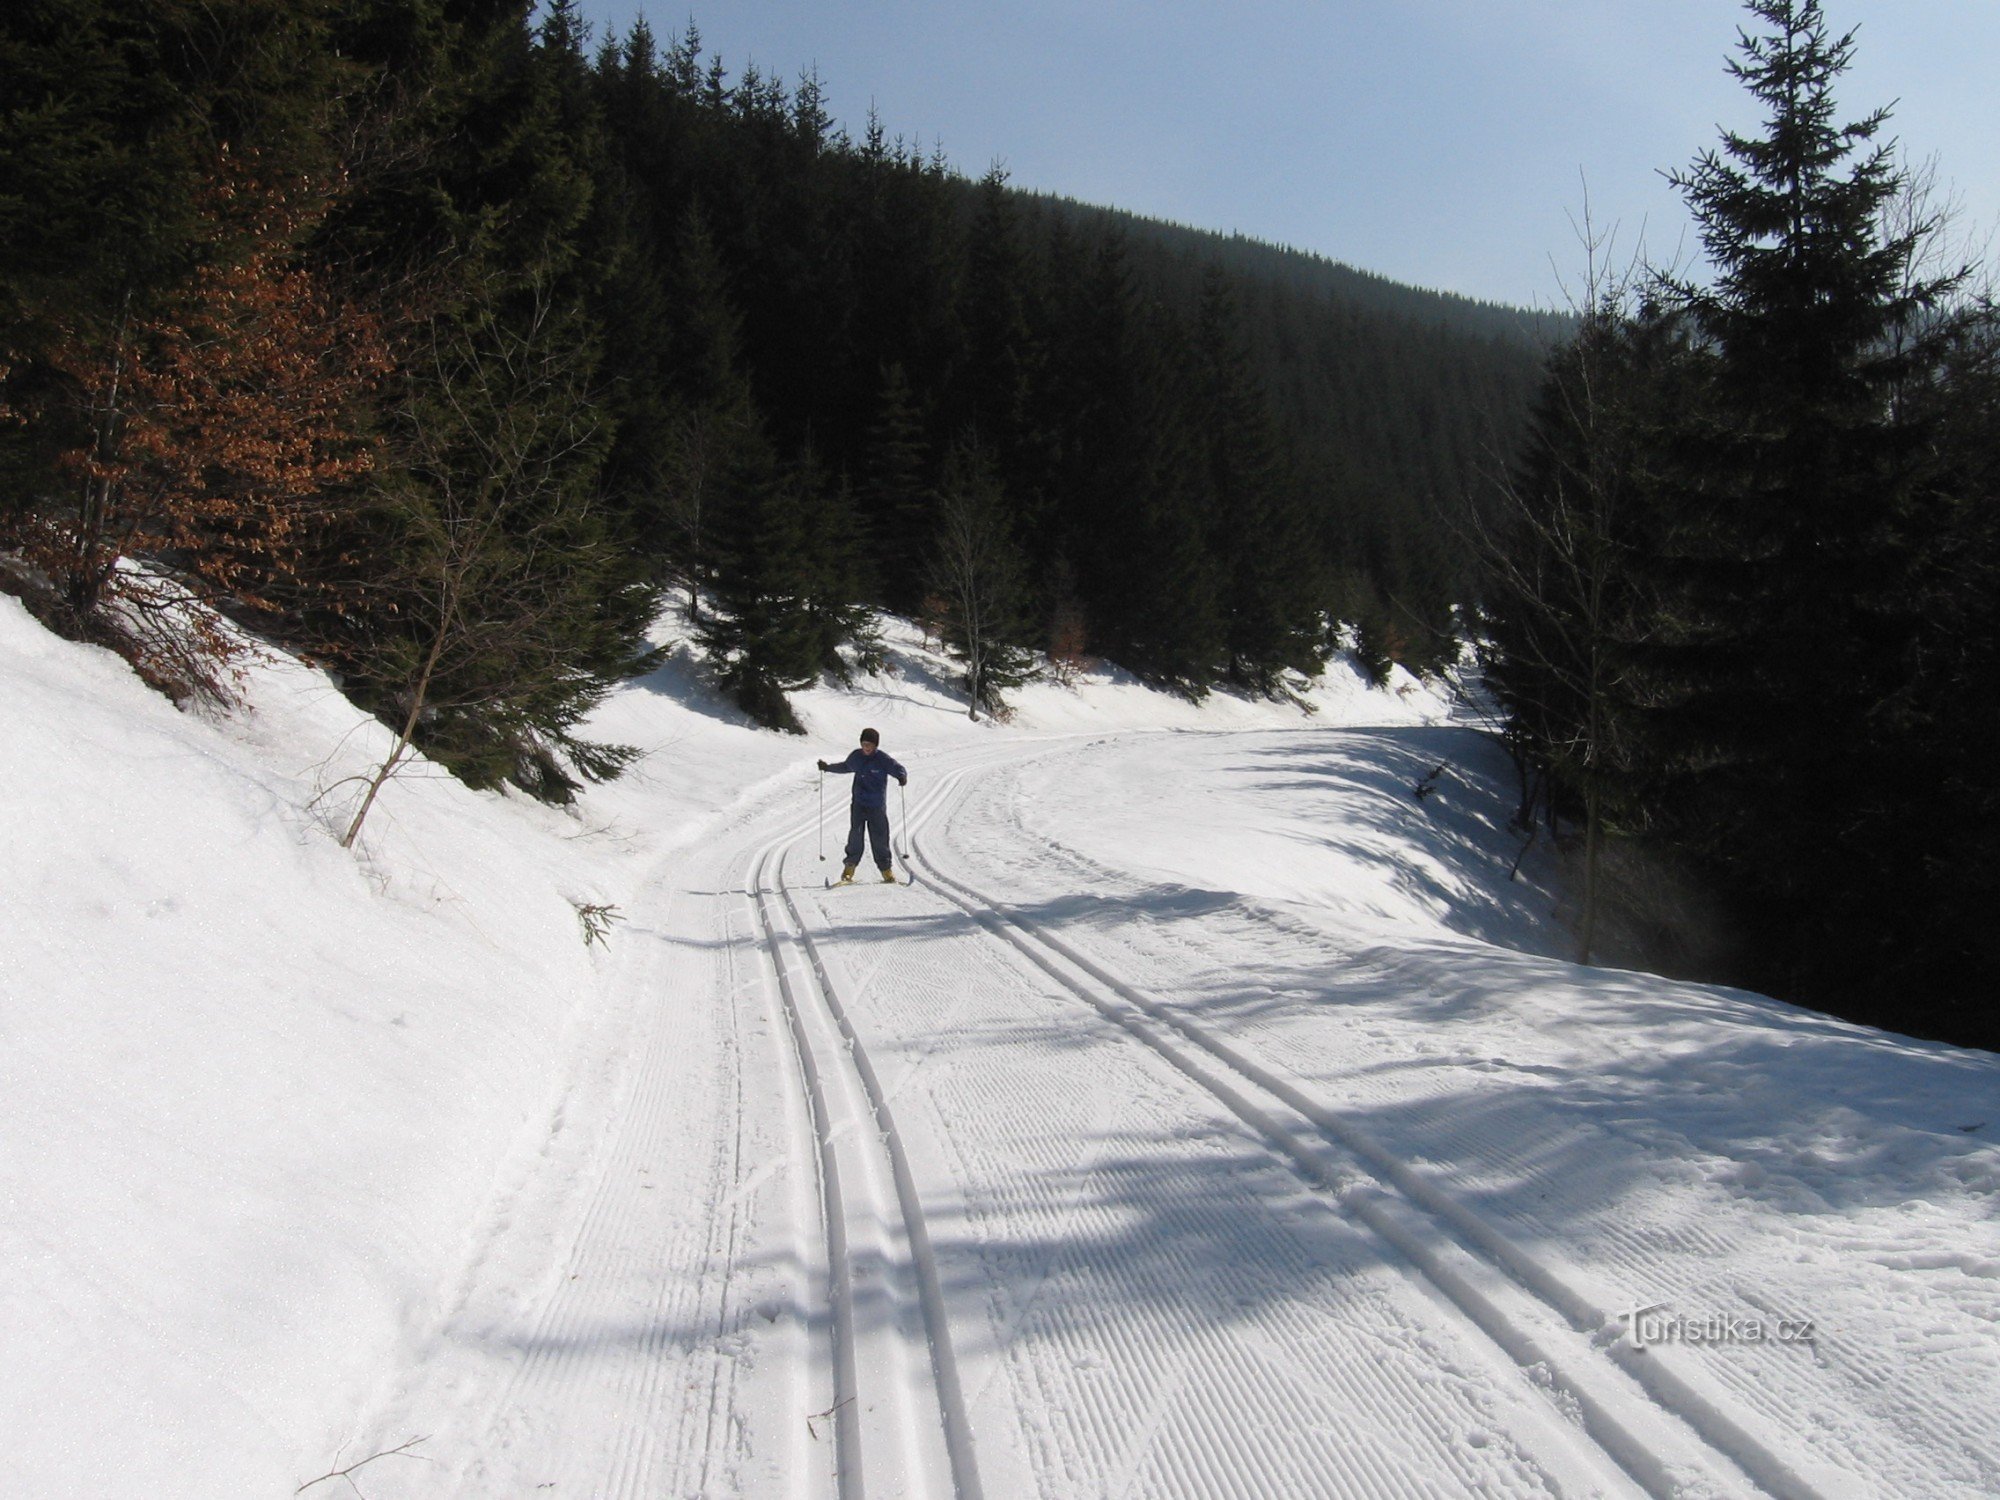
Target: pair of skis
[{"x": 907, "y": 878}]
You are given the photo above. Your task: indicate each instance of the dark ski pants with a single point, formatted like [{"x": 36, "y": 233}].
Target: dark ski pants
[{"x": 875, "y": 820}]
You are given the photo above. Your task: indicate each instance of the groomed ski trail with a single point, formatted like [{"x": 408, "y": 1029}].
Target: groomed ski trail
[
  {"x": 1241, "y": 1353},
  {"x": 1620, "y": 1136},
  {"x": 922, "y": 1193},
  {"x": 643, "y": 1312},
  {"x": 896, "y": 1431},
  {"x": 1508, "y": 1295}
]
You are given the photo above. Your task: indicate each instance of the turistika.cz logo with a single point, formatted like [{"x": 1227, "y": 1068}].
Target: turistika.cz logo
[{"x": 1654, "y": 1324}]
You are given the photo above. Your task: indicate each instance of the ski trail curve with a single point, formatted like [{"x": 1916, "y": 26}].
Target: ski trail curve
[
  {"x": 1150, "y": 1306},
  {"x": 1646, "y": 1415},
  {"x": 1536, "y": 1092}
]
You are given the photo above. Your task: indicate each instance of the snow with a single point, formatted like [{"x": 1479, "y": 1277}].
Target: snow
[{"x": 1213, "y": 1116}]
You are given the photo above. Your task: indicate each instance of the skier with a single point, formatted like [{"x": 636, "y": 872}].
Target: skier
[{"x": 871, "y": 769}]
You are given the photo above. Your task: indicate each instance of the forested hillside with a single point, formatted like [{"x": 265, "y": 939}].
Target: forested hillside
[
  {"x": 437, "y": 338},
  {"x": 439, "y": 341},
  {"x": 1195, "y": 449}
]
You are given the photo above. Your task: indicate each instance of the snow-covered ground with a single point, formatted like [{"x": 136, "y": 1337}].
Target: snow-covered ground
[{"x": 1213, "y": 1117}]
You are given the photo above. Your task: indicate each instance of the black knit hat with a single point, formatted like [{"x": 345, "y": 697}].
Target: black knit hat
[{"x": 870, "y": 737}]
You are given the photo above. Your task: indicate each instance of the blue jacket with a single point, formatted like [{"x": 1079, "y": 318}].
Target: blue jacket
[{"x": 871, "y": 775}]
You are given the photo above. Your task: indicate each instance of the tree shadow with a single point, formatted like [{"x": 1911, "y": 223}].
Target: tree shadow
[{"x": 683, "y": 678}]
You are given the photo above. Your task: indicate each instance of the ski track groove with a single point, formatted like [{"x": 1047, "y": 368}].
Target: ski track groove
[
  {"x": 682, "y": 1302},
  {"x": 1093, "y": 1422},
  {"x": 1132, "y": 1394},
  {"x": 558, "y": 1331},
  {"x": 1740, "y": 1454},
  {"x": 603, "y": 1332},
  {"x": 1666, "y": 1259},
  {"x": 838, "y": 1287},
  {"x": 915, "y": 1254}
]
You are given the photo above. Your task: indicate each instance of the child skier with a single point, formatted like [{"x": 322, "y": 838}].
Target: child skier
[{"x": 871, "y": 769}]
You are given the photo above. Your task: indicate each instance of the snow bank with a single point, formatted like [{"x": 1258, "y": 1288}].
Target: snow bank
[
  {"x": 260, "y": 1089},
  {"x": 257, "y": 1087}
]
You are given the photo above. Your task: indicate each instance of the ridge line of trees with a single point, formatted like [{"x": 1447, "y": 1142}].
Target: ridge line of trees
[{"x": 266, "y": 271}]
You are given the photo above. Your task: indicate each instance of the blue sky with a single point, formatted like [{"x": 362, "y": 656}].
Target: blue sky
[{"x": 1442, "y": 142}]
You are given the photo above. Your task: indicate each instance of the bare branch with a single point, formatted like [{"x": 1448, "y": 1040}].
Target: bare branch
[{"x": 401, "y": 1450}]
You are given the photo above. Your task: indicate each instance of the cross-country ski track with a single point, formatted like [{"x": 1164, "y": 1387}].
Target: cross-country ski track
[
  {"x": 1022, "y": 1182},
  {"x": 1217, "y": 1115}
]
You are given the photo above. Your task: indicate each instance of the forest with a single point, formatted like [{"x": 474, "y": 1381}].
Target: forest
[
  {"x": 1740, "y": 601},
  {"x": 440, "y": 342},
  {"x": 437, "y": 340}
]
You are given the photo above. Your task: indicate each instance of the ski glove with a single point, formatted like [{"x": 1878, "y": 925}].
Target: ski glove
[
  {"x": 902, "y": 781},
  {"x": 822, "y": 765}
]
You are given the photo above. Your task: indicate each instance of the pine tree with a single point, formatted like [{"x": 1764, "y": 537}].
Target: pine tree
[
  {"x": 895, "y": 495},
  {"x": 1270, "y": 593},
  {"x": 1793, "y": 623}
]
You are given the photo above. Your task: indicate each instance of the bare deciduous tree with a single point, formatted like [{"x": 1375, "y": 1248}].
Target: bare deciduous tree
[
  {"x": 500, "y": 559},
  {"x": 1561, "y": 585},
  {"x": 975, "y": 574}
]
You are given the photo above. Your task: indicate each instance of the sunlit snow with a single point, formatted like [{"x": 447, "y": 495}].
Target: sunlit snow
[{"x": 1213, "y": 1116}]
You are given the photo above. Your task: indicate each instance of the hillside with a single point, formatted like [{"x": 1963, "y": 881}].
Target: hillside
[
  {"x": 1324, "y": 279},
  {"x": 1251, "y": 1133}
]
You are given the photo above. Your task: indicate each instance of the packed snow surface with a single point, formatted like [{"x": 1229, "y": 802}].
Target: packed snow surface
[{"x": 1213, "y": 1116}]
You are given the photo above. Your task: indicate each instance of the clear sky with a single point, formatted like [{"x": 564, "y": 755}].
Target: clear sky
[{"x": 1446, "y": 143}]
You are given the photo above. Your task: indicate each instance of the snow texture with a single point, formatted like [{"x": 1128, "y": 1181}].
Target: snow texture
[{"x": 1214, "y": 1116}]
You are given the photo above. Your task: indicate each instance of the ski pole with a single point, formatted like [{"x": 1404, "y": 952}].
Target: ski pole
[
  {"x": 821, "y": 824},
  {"x": 903, "y": 797}
]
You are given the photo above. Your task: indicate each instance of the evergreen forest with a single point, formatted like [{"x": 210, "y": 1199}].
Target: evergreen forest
[
  {"x": 567, "y": 322},
  {"x": 440, "y": 341},
  {"x": 1740, "y": 601}
]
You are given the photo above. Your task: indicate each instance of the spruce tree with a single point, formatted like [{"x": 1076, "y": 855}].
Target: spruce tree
[
  {"x": 1792, "y": 621},
  {"x": 712, "y": 436},
  {"x": 500, "y": 604},
  {"x": 501, "y": 596},
  {"x": 120, "y": 126},
  {"x": 1135, "y": 490},
  {"x": 840, "y": 551},
  {"x": 1568, "y": 598},
  {"x": 1001, "y": 360},
  {"x": 1269, "y": 589},
  {"x": 760, "y": 635},
  {"x": 896, "y": 498},
  {"x": 1952, "y": 720}
]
